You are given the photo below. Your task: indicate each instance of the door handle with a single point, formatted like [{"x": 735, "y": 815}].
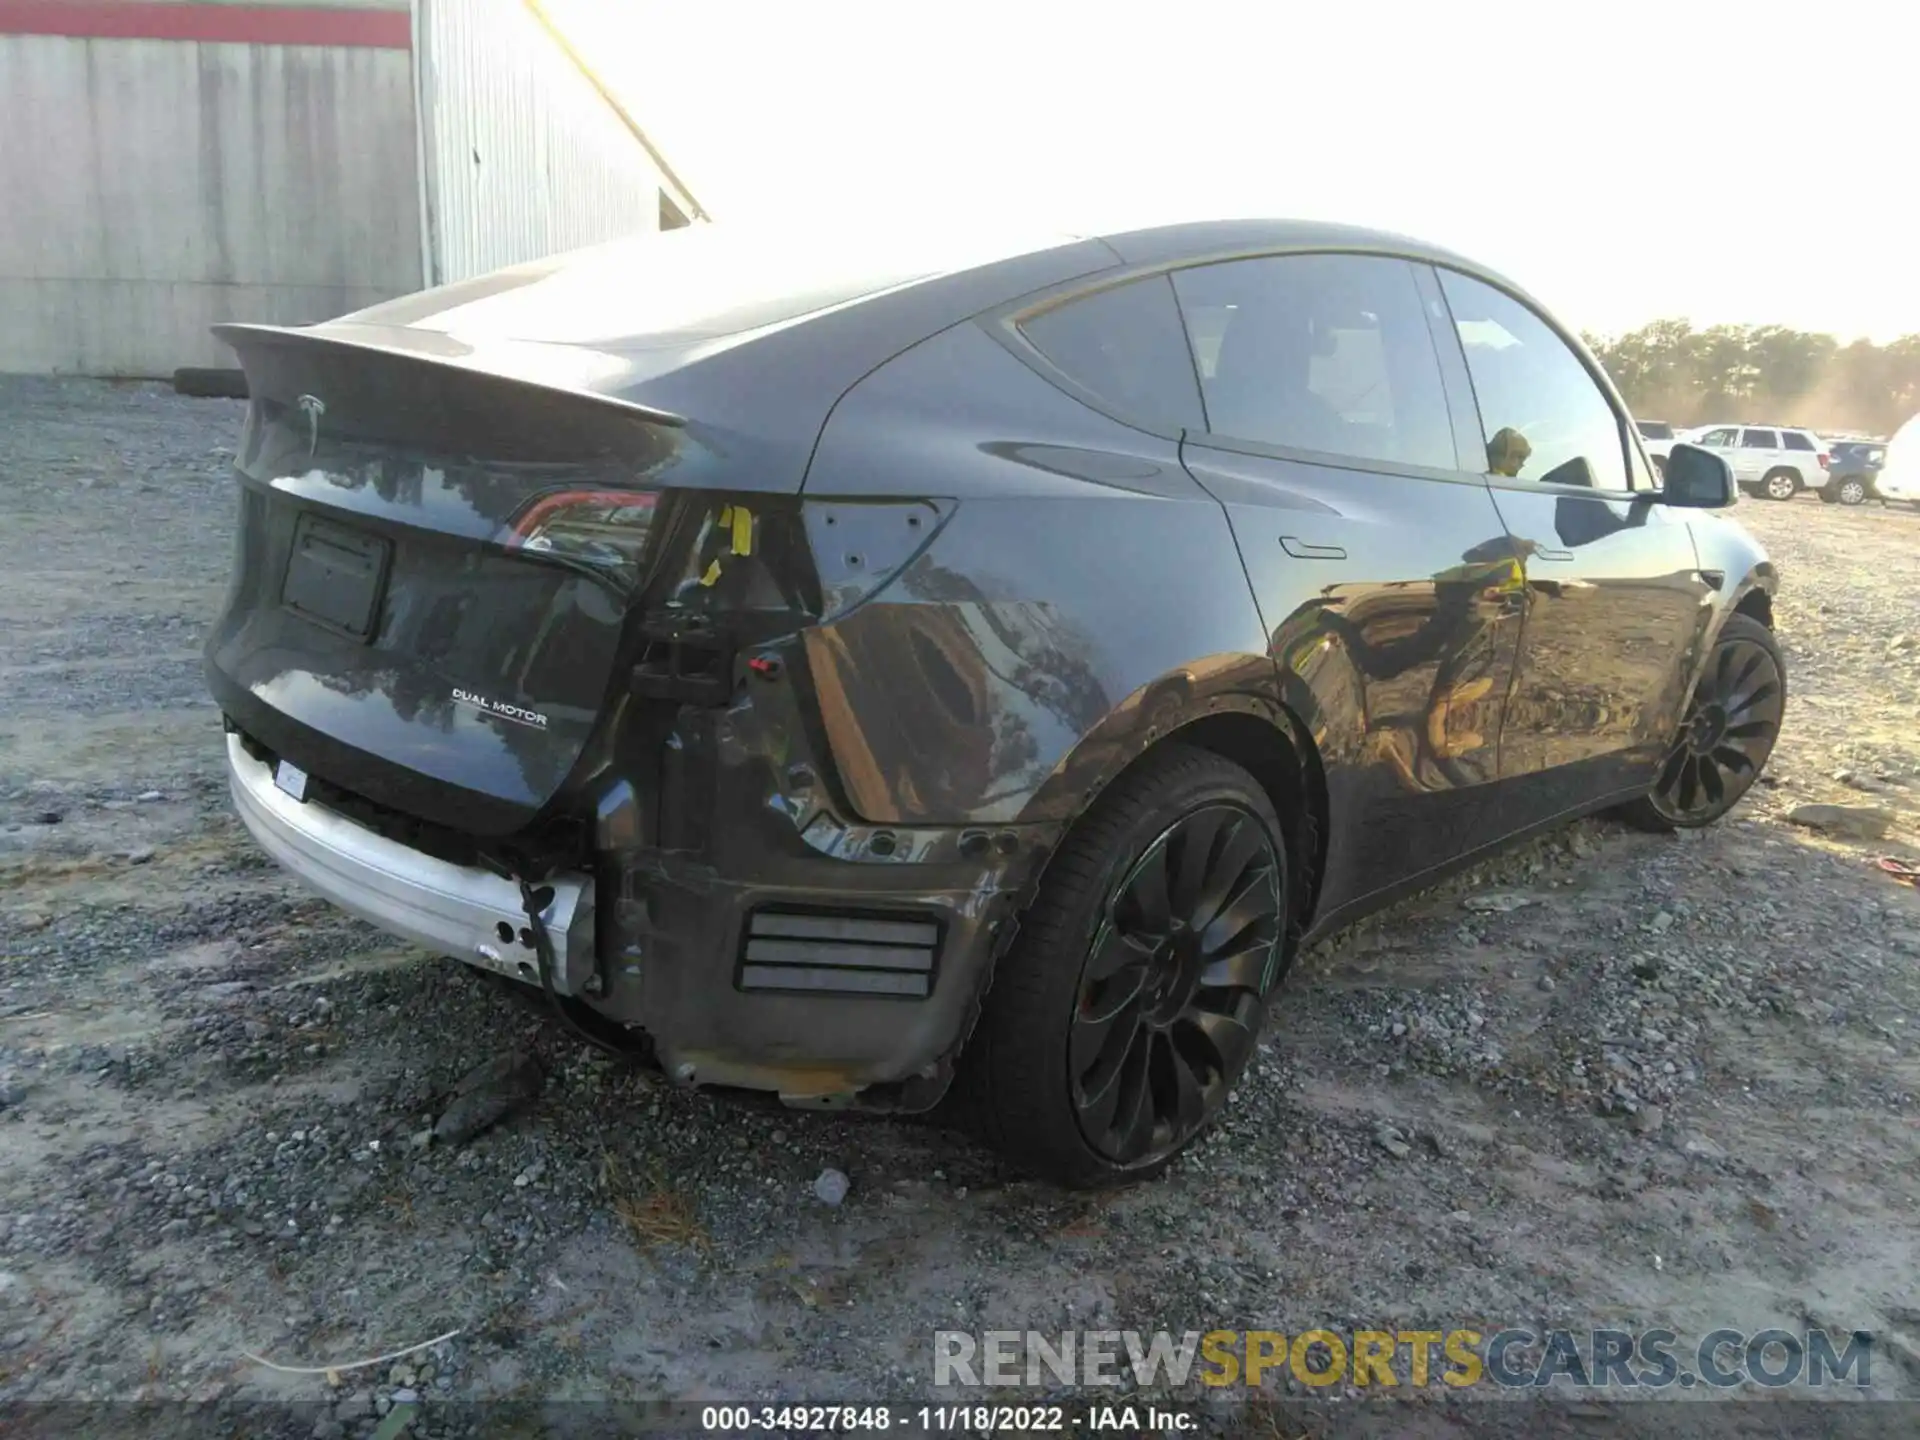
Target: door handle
[
  {"x": 1544, "y": 553},
  {"x": 1302, "y": 550}
]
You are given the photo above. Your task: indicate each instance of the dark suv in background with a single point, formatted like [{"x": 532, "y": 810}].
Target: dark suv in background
[{"x": 1855, "y": 471}]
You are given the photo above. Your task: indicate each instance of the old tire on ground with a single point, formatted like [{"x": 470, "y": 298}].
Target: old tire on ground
[
  {"x": 1726, "y": 737},
  {"x": 1131, "y": 1000},
  {"x": 205, "y": 384},
  {"x": 1780, "y": 484}
]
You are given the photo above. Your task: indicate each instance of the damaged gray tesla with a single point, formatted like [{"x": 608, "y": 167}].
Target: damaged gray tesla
[{"x": 882, "y": 673}]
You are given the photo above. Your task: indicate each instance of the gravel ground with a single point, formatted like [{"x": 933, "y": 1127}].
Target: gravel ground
[{"x": 1676, "y": 1086}]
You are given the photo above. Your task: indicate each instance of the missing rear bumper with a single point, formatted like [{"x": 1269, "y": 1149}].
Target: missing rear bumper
[
  {"x": 773, "y": 960},
  {"x": 455, "y": 910}
]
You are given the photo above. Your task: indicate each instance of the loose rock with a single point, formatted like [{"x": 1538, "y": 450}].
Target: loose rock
[
  {"x": 489, "y": 1094},
  {"x": 1857, "y": 822},
  {"x": 1499, "y": 902}
]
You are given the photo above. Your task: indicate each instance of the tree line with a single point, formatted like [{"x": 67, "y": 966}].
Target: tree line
[{"x": 1669, "y": 371}]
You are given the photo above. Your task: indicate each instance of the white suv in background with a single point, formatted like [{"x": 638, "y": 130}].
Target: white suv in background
[
  {"x": 1773, "y": 460},
  {"x": 1656, "y": 438}
]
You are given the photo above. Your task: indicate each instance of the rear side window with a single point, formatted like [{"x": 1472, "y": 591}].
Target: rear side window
[
  {"x": 1544, "y": 415},
  {"x": 1124, "y": 345},
  {"x": 1759, "y": 440},
  {"x": 1328, "y": 353},
  {"x": 1655, "y": 430},
  {"x": 1797, "y": 441}
]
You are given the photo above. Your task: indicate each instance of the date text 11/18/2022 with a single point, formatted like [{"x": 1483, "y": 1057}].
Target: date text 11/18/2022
[{"x": 944, "y": 1419}]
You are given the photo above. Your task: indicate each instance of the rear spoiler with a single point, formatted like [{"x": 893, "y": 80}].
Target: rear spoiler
[{"x": 560, "y": 370}]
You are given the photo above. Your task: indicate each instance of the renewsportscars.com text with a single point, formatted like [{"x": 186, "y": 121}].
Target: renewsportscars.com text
[{"x": 1510, "y": 1359}]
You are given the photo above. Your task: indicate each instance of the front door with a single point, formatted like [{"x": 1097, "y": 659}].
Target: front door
[
  {"x": 1616, "y": 603},
  {"x": 1723, "y": 440},
  {"x": 1384, "y": 577}
]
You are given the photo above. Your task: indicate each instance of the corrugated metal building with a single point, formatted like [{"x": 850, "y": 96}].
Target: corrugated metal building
[{"x": 173, "y": 165}]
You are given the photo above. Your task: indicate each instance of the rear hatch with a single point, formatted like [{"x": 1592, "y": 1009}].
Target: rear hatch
[{"x": 436, "y": 568}]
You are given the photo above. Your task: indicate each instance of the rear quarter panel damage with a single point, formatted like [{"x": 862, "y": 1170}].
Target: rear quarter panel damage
[{"x": 1084, "y": 596}]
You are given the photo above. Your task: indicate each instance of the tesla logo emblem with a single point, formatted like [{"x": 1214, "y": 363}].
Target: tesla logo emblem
[{"x": 313, "y": 407}]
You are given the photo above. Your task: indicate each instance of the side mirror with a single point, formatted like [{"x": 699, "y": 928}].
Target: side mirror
[{"x": 1698, "y": 479}]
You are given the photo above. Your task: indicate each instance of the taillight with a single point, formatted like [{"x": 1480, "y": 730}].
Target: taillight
[
  {"x": 606, "y": 529},
  {"x": 1825, "y": 463}
]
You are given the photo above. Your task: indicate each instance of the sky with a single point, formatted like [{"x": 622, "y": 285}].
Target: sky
[{"x": 1728, "y": 163}]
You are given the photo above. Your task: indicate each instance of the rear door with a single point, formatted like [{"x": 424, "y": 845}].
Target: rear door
[
  {"x": 1379, "y": 563},
  {"x": 1758, "y": 452},
  {"x": 1615, "y": 601},
  {"x": 1798, "y": 449}
]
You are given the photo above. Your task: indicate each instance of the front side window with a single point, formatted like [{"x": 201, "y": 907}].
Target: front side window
[
  {"x": 1326, "y": 353},
  {"x": 1759, "y": 440},
  {"x": 1544, "y": 416},
  {"x": 1722, "y": 437},
  {"x": 1124, "y": 345}
]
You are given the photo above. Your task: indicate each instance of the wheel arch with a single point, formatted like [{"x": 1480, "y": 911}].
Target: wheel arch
[
  {"x": 1260, "y": 734},
  {"x": 1755, "y": 603},
  {"x": 1752, "y": 597},
  {"x": 1280, "y": 754},
  {"x": 1752, "y": 594}
]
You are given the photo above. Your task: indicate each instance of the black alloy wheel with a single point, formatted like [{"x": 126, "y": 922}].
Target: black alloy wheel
[
  {"x": 1169, "y": 1004},
  {"x": 1728, "y": 734},
  {"x": 1131, "y": 1000}
]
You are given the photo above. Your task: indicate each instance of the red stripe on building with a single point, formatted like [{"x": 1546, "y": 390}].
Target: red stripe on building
[{"x": 216, "y": 24}]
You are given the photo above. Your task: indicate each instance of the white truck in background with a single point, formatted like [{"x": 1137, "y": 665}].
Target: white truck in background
[
  {"x": 1777, "y": 461},
  {"x": 1899, "y": 477}
]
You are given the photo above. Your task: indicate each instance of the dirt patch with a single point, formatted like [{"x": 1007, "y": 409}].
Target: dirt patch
[{"x": 1677, "y": 1087}]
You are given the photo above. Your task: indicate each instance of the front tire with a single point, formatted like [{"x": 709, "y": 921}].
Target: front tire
[
  {"x": 1780, "y": 484},
  {"x": 1132, "y": 999},
  {"x": 1727, "y": 736}
]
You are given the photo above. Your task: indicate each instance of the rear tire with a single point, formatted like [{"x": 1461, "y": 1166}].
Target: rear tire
[
  {"x": 1780, "y": 484},
  {"x": 1849, "y": 491},
  {"x": 1727, "y": 735},
  {"x": 1132, "y": 999}
]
